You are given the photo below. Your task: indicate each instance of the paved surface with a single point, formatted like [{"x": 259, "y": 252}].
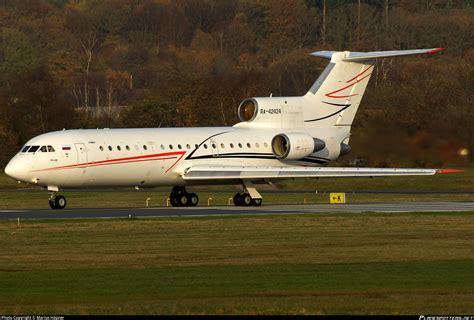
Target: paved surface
[{"x": 230, "y": 210}]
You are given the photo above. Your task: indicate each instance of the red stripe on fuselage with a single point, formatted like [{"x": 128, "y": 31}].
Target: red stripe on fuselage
[
  {"x": 175, "y": 163},
  {"x": 150, "y": 157}
]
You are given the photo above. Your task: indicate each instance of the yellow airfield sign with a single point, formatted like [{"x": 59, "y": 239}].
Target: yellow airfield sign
[{"x": 337, "y": 197}]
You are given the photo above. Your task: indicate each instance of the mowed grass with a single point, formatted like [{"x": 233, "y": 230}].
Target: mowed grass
[
  {"x": 369, "y": 263},
  {"x": 121, "y": 199}
]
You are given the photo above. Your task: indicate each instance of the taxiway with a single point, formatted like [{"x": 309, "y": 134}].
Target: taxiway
[{"x": 231, "y": 210}]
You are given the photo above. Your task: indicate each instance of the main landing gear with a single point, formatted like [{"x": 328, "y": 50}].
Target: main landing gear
[
  {"x": 180, "y": 198},
  {"x": 250, "y": 196},
  {"x": 244, "y": 199},
  {"x": 57, "y": 201}
]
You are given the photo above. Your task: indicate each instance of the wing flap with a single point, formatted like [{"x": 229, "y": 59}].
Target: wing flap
[{"x": 244, "y": 172}]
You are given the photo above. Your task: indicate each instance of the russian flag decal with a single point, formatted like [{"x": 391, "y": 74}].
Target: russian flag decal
[{"x": 66, "y": 148}]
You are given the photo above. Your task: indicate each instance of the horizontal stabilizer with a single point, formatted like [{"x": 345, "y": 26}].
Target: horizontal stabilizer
[
  {"x": 363, "y": 56},
  {"x": 244, "y": 172}
]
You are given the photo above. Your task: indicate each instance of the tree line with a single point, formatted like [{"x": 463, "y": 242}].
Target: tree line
[{"x": 161, "y": 63}]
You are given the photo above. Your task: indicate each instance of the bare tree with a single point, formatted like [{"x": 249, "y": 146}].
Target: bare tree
[
  {"x": 323, "y": 29},
  {"x": 88, "y": 44}
]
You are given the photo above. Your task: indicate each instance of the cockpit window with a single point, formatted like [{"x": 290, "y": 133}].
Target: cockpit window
[
  {"x": 51, "y": 149},
  {"x": 43, "y": 149},
  {"x": 25, "y": 148},
  {"x": 33, "y": 149}
]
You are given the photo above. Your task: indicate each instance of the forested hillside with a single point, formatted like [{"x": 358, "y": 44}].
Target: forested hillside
[{"x": 152, "y": 63}]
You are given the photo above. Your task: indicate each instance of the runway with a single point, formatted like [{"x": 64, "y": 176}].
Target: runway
[{"x": 451, "y": 206}]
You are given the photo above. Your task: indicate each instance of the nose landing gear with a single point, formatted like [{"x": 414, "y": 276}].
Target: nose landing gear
[
  {"x": 57, "y": 201},
  {"x": 180, "y": 198}
]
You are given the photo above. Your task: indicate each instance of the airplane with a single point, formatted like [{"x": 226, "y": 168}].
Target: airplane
[{"x": 277, "y": 138}]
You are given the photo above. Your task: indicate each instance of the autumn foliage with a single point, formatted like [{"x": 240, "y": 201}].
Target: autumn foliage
[{"x": 160, "y": 63}]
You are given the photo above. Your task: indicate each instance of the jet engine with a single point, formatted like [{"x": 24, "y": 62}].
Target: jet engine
[
  {"x": 294, "y": 146},
  {"x": 248, "y": 109}
]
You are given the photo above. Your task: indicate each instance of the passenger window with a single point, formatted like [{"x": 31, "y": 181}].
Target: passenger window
[
  {"x": 205, "y": 146},
  {"x": 128, "y": 148},
  {"x": 51, "y": 149},
  {"x": 188, "y": 146},
  {"x": 213, "y": 146},
  {"x": 25, "y": 149},
  {"x": 101, "y": 148},
  {"x": 162, "y": 147},
  {"x": 232, "y": 145},
  {"x": 222, "y": 146},
  {"x": 110, "y": 148},
  {"x": 43, "y": 149},
  {"x": 179, "y": 146},
  {"x": 196, "y": 145},
  {"x": 248, "y": 145},
  {"x": 265, "y": 145},
  {"x": 240, "y": 145},
  {"x": 144, "y": 147},
  {"x": 257, "y": 145},
  {"x": 118, "y": 148},
  {"x": 171, "y": 147},
  {"x": 33, "y": 149}
]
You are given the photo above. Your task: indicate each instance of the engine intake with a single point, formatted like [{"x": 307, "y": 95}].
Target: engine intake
[
  {"x": 248, "y": 110},
  {"x": 294, "y": 146}
]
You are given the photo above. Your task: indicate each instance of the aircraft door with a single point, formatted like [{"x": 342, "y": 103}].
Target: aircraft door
[{"x": 81, "y": 154}]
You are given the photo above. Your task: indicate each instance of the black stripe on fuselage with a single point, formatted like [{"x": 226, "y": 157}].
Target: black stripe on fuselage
[
  {"x": 236, "y": 155},
  {"x": 345, "y": 106},
  {"x": 257, "y": 156},
  {"x": 199, "y": 145}
]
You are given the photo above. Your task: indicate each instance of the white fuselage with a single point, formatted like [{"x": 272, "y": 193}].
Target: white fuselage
[
  {"x": 149, "y": 157},
  {"x": 311, "y": 130}
]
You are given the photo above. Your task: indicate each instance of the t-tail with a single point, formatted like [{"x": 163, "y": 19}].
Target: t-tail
[{"x": 334, "y": 98}]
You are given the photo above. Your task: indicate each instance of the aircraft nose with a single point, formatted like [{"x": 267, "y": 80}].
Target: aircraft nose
[{"x": 14, "y": 169}]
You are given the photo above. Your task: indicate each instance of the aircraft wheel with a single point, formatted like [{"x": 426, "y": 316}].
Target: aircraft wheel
[
  {"x": 193, "y": 199},
  {"x": 183, "y": 200},
  {"x": 174, "y": 200},
  {"x": 257, "y": 202},
  {"x": 246, "y": 199},
  {"x": 238, "y": 199},
  {"x": 51, "y": 204},
  {"x": 59, "y": 202}
]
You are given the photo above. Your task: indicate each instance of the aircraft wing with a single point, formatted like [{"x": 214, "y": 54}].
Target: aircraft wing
[{"x": 248, "y": 172}]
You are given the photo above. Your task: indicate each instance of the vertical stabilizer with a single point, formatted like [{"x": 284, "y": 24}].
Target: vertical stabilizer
[{"x": 334, "y": 98}]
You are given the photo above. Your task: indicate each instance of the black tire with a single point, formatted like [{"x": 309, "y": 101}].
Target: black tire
[
  {"x": 193, "y": 199},
  {"x": 246, "y": 199},
  {"x": 237, "y": 199},
  {"x": 51, "y": 204},
  {"x": 183, "y": 200},
  {"x": 60, "y": 202},
  {"x": 174, "y": 201},
  {"x": 257, "y": 202}
]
